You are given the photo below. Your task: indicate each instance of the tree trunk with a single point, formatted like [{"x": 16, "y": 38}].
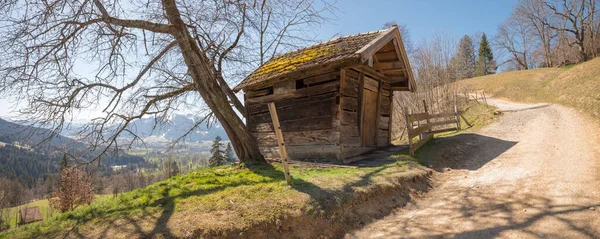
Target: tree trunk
[{"x": 206, "y": 84}]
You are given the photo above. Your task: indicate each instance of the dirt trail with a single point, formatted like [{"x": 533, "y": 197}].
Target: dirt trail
[{"x": 534, "y": 173}]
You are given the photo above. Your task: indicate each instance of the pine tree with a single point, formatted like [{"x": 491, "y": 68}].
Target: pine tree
[
  {"x": 170, "y": 167},
  {"x": 64, "y": 163},
  {"x": 485, "y": 62},
  {"x": 464, "y": 60},
  {"x": 229, "y": 155},
  {"x": 218, "y": 156}
]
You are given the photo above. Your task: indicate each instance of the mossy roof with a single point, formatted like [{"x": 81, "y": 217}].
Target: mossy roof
[{"x": 335, "y": 50}]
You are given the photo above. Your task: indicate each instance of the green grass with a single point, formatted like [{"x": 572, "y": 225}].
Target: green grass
[
  {"x": 577, "y": 86},
  {"x": 44, "y": 208},
  {"x": 220, "y": 199}
]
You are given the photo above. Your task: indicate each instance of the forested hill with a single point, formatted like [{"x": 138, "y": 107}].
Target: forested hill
[
  {"x": 20, "y": 161},
  {"x": 26, "y": 135}
]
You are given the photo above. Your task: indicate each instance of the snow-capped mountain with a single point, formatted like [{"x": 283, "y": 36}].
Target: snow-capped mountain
[{"x": 176, "y": 127}]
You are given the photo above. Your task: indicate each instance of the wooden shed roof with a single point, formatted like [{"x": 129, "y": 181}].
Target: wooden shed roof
[
  {"x": 354, "y": 48},
  {"x": 31, "y": 214}
]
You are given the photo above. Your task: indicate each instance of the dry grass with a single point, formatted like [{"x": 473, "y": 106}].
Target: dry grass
[
  {"x": 219, "y": 200},
  {"x": 576, "y": 86}
]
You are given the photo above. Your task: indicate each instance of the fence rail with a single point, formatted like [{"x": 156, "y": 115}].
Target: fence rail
[{"x": 422, "y": 125}]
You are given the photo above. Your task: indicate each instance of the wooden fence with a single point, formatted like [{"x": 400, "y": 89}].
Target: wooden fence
[{"x": 425, "y": 125}]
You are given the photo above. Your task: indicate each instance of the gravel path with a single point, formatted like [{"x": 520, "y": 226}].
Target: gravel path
[{"x": 534, "y": 173}]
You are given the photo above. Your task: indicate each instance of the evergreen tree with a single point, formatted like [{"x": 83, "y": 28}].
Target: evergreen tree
[
  {"x": 229, "y": 155},
  {"x": 485, "y": 62},
  {"x": 218, "y": 156},
  {"x": 464, "y": 60},
  {"x": 170, "y": 167},
  {"x": 64, "y": 163}
]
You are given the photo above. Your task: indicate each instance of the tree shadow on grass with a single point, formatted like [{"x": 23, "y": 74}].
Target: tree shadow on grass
[{"x": 127, "y": 219}]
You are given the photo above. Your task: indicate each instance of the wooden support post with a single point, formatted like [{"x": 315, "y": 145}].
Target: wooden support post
[
  {"x": 281, "y": 143},
  {"x": 390, "y": 122},
  {"x": 426, "y": 112},
  {"x": 408, "y": 130},
  {"x": 378, "y": 110}
]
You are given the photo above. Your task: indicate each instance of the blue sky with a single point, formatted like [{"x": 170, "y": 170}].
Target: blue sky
[{"x": 422, "y": 17}]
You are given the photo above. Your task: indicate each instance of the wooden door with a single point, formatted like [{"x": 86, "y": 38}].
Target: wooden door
[{"x": 369, "y": 118}]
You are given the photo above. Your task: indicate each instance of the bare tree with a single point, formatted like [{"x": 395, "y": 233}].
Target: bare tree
[
  {"x": 516, "y": 37},
  {"x": 577, "y": 17},
  {"x": 432, "y": 63},
  {"x": 132, "y": 59},
  {"x": 75, "y": 189},
  {"x": 533, "y": 13}
]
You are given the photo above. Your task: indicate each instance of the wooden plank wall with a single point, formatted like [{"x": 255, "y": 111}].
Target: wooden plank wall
[
  {"x": 308, "y": 114},
  {"x": 352, "y": 84}
]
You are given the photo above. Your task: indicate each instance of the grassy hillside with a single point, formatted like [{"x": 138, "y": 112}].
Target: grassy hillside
[
  {"x": 44, "y": 208},
  {"x": 221, "y": 199},
  {"x": 577, "y": 86}
]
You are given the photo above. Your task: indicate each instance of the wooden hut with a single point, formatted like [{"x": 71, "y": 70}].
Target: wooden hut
[
  {"x": 31, "y": 214},
  {"x": 333, "y": 99}
]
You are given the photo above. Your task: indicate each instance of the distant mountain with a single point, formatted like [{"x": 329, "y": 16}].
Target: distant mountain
[
  {"x": 12, "y": 133},
  {"x": 176, "y": 127},
  {"x": 34, "y": 139}
]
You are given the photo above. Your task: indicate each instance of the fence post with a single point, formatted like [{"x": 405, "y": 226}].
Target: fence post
[
  {"x": 427, "y": 112},
  {"x": 456, "y": 116},
  {"x": 281, "y": 143},
  {"x": 484, "y": 99},
  {"x": 408, "y": 129}
]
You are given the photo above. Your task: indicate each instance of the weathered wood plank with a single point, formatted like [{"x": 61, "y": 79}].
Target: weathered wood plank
[
  {"x": 444, "y": 130},
  {"x": 384, "y": 123},
  {"x": 314, "y": 137},
  {"x": 308, "y": 91},
  {"x": 299, "y": 152},
  {"x": 316, "y": 123},
  {"x": 284, "y": 87},
  {"x": 349, "y": 118},
  {"x": 258, "y": 93},
  {"x": 350, "y": 140},
  {"x": 256, "y": 108},
  {"x": 349, "y": 103},
  {"x": 353, "y": 74},
  {"x": 418, "y": 117},
  {"x": 371, "y": 84},
  {"x": 420, "y": 130},
  {"x": 322, "y": 78},
  {"x": 388, "y": 65},
  {"x": 442, "y": 115},
  {"x": 382, "y": 141},
  {"x": 433, "y": 124},
  {"x": 421, "y": 143},
  {"x": 350, "y": 89},
  {"x": 350, "y": 130},
  {"x": 349, "y": 151},
  {"x": 306, "y": 110},
  {"x": 281, "y": 143}
]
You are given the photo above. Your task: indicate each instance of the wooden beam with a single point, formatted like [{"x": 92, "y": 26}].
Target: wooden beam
[
  {"x": 388, "y": 65},
  {"x": 368, "y": 50},
  {"x": 397, "y": 70},
  {"x": 370, "y": 71},
  {"x": 404, "y": 88},
  {"x": 412, "y": 84},
  {"x": 281, "y": 143}
]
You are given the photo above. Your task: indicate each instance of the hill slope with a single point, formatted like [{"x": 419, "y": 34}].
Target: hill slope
[{"x": 576, "y": 86}]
